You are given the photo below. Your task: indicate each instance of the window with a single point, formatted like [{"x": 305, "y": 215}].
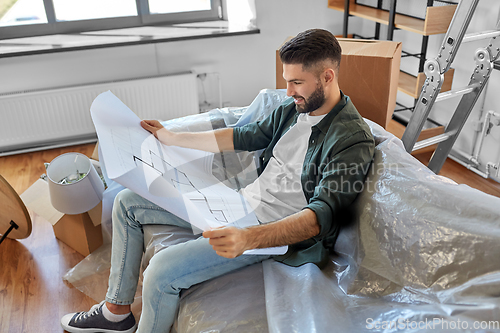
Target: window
[
  {"x": 163, "y": 7},
  {"x": 70, "y": 10},
  {"x": 23, "y": 18},
  {"x": 13, "y": 12}
]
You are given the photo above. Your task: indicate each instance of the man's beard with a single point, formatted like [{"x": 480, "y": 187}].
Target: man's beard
[{"x": 314, "y": 102}]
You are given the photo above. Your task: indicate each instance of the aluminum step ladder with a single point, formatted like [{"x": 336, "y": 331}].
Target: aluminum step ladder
[{"x": 434, "y": 70}]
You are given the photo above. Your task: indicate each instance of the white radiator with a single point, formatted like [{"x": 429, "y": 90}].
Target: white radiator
[{"x": 62, "y": 116}]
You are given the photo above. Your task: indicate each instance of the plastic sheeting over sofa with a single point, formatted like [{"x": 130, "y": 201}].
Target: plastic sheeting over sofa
[{"x": 421, "y": 256}]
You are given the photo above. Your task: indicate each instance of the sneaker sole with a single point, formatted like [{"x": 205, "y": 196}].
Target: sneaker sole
[{"x": 93, "y": 330}]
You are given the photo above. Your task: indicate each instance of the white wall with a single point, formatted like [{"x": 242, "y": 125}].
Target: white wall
[
  {"x": 485, "y": 18},
  {"x": 246, "y": 63}
]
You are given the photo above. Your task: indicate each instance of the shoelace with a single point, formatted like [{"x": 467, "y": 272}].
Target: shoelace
[{"x": 92, "y": 312}]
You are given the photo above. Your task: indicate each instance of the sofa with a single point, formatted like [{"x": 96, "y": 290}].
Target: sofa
[{"x": 422, "y": 254}]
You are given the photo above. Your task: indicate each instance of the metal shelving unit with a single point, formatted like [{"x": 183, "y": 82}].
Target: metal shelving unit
[{"x": 436, "y": 21}]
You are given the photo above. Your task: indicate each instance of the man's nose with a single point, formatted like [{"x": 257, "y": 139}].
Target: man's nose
[{"x": 289, "y": 90}]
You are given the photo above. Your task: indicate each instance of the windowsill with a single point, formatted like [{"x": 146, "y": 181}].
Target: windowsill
[{"x": 119, "y": 37}]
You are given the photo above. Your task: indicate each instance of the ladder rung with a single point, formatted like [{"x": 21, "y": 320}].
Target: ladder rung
[
  {"x": 432, "y": 141},
  {"x": 457, "y": 92},
  {"x": 480, "y": 35}
]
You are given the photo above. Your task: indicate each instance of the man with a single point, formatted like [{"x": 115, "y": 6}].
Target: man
[{"x": 317, "y": 140}]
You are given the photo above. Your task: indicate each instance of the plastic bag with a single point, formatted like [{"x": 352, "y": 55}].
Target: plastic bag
[{"x": 422, "y": 256}]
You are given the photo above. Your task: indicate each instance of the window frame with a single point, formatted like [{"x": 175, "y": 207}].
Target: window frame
[{"x": 143, "y": 18}]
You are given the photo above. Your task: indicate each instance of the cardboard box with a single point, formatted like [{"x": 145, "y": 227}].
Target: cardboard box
[
  {"x": 79, "y": 232},
  {"x": 82, "y": 232},
  {"x": 95, "y": 153},
  {"x": 369, "y": 74}
]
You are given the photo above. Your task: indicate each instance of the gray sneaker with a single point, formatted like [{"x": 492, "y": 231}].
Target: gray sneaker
[{"x": 93, "y": 321}]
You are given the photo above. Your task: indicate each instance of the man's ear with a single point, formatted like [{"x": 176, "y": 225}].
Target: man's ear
[{"x": 329, "y": 75}]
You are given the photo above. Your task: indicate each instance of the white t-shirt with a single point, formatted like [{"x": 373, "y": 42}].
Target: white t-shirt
[{"x": 278, "y": 190}]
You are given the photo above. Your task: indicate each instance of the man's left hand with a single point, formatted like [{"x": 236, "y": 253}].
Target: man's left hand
[{"x": 228, "y": 242}]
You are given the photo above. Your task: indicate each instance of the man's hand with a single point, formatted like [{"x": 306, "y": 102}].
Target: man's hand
[
  {"x": 157, "y": 129},
  {"x": 211, "y": 141},
  {"x": 228, "y": 242}
]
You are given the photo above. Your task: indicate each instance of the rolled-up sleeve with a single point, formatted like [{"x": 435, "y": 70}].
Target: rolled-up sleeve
[
  {"x": 251, "y": 137},
  {"x": 342, "y": 179},
  {"x": 257, "y": 135}
]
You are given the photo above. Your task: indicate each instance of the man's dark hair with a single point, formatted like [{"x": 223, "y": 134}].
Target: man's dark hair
[{"x": 310, "y": 48}]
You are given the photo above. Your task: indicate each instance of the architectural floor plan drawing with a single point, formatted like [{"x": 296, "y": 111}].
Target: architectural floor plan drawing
[
  {"x": 192, "y": 179},
  {"x": 214, "y": 205},
  {"x": 177, "y": 179}
]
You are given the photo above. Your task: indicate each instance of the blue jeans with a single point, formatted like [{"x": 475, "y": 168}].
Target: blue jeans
[{"x": 175, "y": 268}]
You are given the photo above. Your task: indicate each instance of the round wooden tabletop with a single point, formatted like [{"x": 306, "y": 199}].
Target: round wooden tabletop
[{"x": 12, "y": 208}]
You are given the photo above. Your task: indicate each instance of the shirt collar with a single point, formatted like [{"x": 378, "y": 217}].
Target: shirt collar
[{"x": 324, "y": 124}]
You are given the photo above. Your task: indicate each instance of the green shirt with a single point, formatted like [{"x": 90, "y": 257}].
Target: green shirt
[{"x": 338, "y": 156}]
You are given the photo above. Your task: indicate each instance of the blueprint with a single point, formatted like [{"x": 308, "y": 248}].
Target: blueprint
[{"x": 177, "y": 179}]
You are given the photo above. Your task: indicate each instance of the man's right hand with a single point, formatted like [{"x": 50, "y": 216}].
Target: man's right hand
[
  {"x": 157, "y": 129},
  {"x": 212, "y": 141}
]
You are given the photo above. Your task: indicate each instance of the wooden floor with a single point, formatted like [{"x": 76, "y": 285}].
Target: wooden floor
[
  {"x": 33, "y": 296},
  {"x": 461, "y": 175}
]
